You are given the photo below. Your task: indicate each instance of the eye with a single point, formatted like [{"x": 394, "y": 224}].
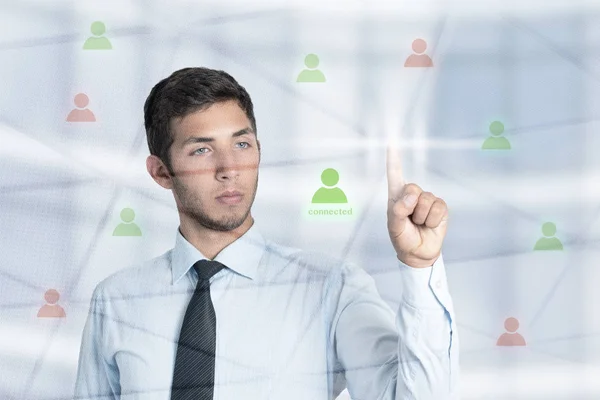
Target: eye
[
  {"x": 245, "y": 143},
  {"x": 200, "y": 152}
]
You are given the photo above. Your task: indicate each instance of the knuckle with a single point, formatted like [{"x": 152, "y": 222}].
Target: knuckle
[
  {"x": 412, "y": 188},
  {"x": 430, "y": 197},
  {"x": 439, "y": 206},
  {"x": 426, "y": 200}
]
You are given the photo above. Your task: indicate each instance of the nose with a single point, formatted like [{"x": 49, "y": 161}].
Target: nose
[{"x": 227, "y": 167}]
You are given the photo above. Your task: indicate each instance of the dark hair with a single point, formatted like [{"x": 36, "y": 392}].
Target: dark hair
[{"x": 183, "y": 92}]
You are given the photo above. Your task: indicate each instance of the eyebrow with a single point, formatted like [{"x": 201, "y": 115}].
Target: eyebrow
[{"x": 198, "y": 139}]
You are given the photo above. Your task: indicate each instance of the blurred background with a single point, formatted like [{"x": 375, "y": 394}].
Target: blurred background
[{"x": 495, "y": 105}]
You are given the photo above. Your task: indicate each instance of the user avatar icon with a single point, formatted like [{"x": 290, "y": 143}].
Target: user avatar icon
[
  {"x": 511, "y": 337},
  {"x": 51, "y": 309},
  {"x": 496, "y": 142},
  {"x": 81, "y": 113},
  {"x": 329, "y": 194},
  {"x": 311, "y": 74},
  {"x": 127, "y": 227},
  {"x": 419, "y": 59},
  {"x": 97, "y": 42},
  {"x": 549, "y": 242}
]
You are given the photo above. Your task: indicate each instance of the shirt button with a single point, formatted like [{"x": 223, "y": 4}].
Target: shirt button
[{"x": 438, "y": 284}]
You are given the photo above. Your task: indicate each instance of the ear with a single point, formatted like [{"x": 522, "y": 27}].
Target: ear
[{"x": 159, "y": 171}]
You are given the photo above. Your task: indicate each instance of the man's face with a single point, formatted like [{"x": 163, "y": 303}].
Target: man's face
[{"x": 215, "y": 159}]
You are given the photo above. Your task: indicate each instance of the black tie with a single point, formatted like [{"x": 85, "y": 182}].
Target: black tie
[{"x": 194, "y": 373}]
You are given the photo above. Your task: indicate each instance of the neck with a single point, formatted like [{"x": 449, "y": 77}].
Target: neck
[{"x": 208, "y": 241}]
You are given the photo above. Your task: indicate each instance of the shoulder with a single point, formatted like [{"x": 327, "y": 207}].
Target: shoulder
[
  {"x": 136, "y": 278},
  {"x": 309, "y": 263}
]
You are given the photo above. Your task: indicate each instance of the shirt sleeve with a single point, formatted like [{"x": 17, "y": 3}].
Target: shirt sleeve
[
  {"x": 97, "y": 377},
  {"x": 410, "y": 354}
]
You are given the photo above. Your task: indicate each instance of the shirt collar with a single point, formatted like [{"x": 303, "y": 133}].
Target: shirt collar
[{"x": 241, "y": 256}]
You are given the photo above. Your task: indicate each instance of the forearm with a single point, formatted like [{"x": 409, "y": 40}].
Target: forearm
[{"x": 428, "y": 340}]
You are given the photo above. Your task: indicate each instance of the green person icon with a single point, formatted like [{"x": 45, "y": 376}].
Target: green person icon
[
  {"x": 496, "y": 142},
  {"x": 127, "y": 227},
  {"x": 549, "y": 242},
  {"x": 329, "y": 177},
  {"x": 97, "y": 42},
  {"x": 311, "y": 74}
]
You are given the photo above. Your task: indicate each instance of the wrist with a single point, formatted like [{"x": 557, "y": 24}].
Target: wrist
[{"x": 417, "y": 262}]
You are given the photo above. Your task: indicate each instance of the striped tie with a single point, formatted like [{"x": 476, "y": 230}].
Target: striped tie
[{"x": 194, "y": 373}]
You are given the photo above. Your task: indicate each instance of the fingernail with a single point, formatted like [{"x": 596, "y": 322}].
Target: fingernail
[{"x": 409, "y": 199}]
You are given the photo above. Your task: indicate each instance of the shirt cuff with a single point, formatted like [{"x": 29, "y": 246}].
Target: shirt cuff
[{"x": 425, "y": 288}]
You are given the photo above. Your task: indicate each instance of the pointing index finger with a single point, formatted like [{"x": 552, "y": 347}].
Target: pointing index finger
[{"x": 394, "y": 171}]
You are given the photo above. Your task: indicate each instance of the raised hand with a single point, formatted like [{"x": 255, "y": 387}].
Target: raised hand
[{"x": 416, "y": 220}]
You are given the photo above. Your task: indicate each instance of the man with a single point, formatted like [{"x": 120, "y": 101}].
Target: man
[{"x": 228, "y": 314}]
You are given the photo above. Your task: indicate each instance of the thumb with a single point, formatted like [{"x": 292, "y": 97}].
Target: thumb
[{"x": 402, "y": 209}]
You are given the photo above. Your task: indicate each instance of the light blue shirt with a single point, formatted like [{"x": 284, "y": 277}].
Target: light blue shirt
[{"x": 291, "y": 324}]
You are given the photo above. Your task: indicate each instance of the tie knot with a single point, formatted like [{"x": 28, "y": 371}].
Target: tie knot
[{"x": 207, "y": 268}]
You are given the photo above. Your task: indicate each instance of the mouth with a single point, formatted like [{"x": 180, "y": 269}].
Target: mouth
[{"x": 230, "y": 197}]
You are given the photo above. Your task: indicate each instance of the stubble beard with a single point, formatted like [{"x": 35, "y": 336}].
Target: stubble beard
[{"x": 193, "y": 208}]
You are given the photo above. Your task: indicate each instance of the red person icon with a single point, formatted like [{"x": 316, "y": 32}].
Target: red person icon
[
  {"x": 51, "y": 309},
  {"x": 511, "y": 337},
  {"x": 419, "y": 59},
  {"x": 81, "y": 113}
]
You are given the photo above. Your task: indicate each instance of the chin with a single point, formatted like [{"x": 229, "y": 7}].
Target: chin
[
  {"x": 226, "y": 226},
  {"x": 230, "y": 222}
]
